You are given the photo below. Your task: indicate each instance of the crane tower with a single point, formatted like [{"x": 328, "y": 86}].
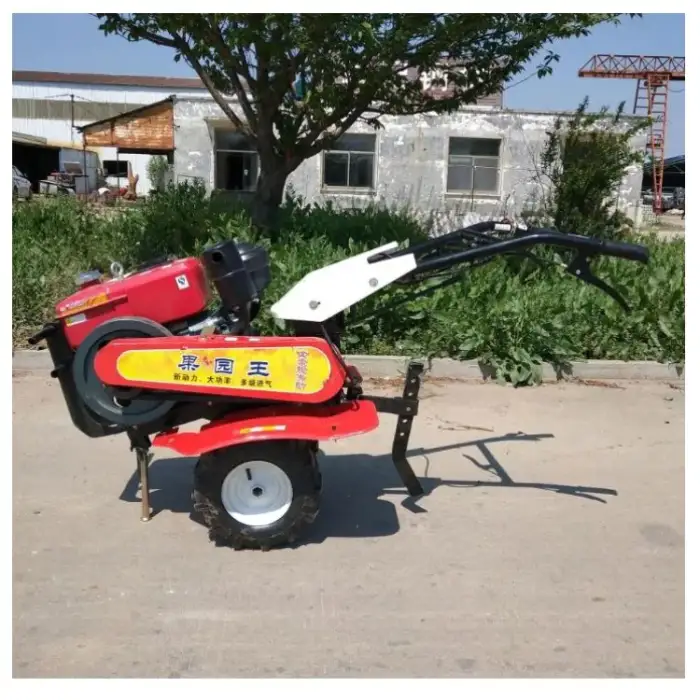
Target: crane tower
[{"x": 653, "y": 75}]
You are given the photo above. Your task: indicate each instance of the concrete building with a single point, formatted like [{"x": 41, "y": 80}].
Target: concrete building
[
  {"x": 48, "y": 108},
  {"x": 479, "y": 162}
]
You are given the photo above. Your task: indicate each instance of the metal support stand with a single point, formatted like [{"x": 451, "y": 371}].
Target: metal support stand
[
  {"x": 143, "y": 459},
  {"x": 141, "y": 444},
  {"x": 406, "y": 408},
  {"x": 403, "y": 430}
]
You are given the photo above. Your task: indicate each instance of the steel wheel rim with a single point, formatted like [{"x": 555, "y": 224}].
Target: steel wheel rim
[{"x": 256, "y": 493}]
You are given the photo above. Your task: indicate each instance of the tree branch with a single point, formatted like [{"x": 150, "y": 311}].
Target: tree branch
[
  {"x": 328, "y": 138},
  {"x": 223, "y": 104},
  {"x": 178, "y": 43},
  {"x": 234, "y": 68}
]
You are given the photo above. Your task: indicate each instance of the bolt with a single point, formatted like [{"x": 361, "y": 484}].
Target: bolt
[
  {"x": 314, "y": 304},
  {"x": 373, "y": 282}
]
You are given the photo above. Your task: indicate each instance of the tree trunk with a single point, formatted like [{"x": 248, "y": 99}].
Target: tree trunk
[{"x": 268, "y": 195}]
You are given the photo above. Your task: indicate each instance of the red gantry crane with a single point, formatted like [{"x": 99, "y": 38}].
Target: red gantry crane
[{"x": 653, "y": 74}]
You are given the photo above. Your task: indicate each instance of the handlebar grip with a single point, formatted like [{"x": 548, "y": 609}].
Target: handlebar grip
[{"x": 629, "y": 251}]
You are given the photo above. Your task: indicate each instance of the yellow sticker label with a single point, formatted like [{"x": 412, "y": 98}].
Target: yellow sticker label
[{"x": 291, "y": 370}]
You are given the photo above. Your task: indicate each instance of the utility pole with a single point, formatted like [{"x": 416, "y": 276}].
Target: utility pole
[{"x": 72, "y": 118}]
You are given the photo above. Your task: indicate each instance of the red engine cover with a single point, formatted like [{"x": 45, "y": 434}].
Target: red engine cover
[{"x": 166, "y": 293}]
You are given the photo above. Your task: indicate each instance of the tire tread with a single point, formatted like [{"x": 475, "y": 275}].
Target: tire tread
[{"x": 299, "y": 462}]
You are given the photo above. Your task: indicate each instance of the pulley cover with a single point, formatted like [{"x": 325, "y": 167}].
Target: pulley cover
[{"x": 120, "y": 406}]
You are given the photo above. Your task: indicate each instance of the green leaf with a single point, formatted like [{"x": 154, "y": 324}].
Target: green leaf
[{"x": 663, "y": 325}]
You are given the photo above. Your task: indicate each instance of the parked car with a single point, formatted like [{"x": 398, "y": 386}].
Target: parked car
[
  {"x": 679, "y": 198},
  {"x": 669, "y": 198},
  {"x": 21, "y": 186}
]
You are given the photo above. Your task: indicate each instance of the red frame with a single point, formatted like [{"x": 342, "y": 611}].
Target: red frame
[
  {"x": 262, "y": 424},
  {"x": 106, "y": 365}
]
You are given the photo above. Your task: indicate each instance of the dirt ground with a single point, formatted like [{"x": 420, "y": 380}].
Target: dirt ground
[
  {"x": 550, "y": 544},
  {"x": 668, "y": 226}
]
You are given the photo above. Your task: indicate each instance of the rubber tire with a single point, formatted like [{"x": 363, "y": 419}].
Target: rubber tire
[{"x": 295, "y": 457}]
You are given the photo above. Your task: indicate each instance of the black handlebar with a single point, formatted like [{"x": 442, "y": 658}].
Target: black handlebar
[
  {"x": 628, "y": 251},
  {"x": 486, "y": 246},
  {"x": 587, "y": 246},
  {"x": 484, "y": 240}
]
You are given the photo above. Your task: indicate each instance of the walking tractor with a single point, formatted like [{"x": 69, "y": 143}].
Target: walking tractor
[{"x": 145, "y": 353}]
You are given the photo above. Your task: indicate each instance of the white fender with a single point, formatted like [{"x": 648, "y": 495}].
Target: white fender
[{"x": 329, "y": 290}]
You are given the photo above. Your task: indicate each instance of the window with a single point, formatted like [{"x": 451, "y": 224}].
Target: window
[
  {"x": 236, "y": 166},
  {"x": 473, "y": 165},
  {"x": 350, "y": 162},
  {"x": 115, "y": 168}
]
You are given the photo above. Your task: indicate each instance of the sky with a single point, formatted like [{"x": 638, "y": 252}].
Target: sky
[{"x": 73, "y": 43}]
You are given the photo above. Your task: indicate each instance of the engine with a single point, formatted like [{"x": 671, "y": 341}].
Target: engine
[
  {"x": 161, "y": 298},
  {"x": 173, "y": 293}
]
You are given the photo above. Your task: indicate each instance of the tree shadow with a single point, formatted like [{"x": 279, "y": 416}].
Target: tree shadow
[{"x": 353, "y": 487}]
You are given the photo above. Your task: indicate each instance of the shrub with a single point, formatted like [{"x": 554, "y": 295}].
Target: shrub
[
  {"x": 582, "y": 165},
  {"x": 513, "y": 318}
]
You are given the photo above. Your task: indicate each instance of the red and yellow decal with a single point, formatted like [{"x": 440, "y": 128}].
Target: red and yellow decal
[
  {"x": 74, "y": 307},
  {"x": 286, "y": 370},
  {"x": 303, "y": 369}
]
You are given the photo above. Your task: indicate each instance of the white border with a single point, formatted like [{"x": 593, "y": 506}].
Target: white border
[{"x": 346, "y": 688}]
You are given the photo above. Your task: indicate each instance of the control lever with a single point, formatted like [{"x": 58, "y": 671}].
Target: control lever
[{"x": 580, "y": 268}]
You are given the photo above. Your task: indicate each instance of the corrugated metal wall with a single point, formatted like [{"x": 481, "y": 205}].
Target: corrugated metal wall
[
  {"x": 116, "y": 95},
  {"x": 45, "y": 110},
  {"x": 62, "y": 109}
]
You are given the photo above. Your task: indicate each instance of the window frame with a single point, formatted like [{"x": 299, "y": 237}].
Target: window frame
[
  {"x": 348, "y": 188},
  {"x": 474, "y": 193},
  {"x": 120, "y": 162},
  {"x": 244, "y": 151}
]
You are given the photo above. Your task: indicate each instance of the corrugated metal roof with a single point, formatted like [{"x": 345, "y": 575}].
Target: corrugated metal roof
[
  {"x": 17, "y": 137},
  {"x": 677, "y": 162},
  {"x": 674, "y": 160},
  {"x": 31, "y": 140},
  {"x": 31, "y": 76}
]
